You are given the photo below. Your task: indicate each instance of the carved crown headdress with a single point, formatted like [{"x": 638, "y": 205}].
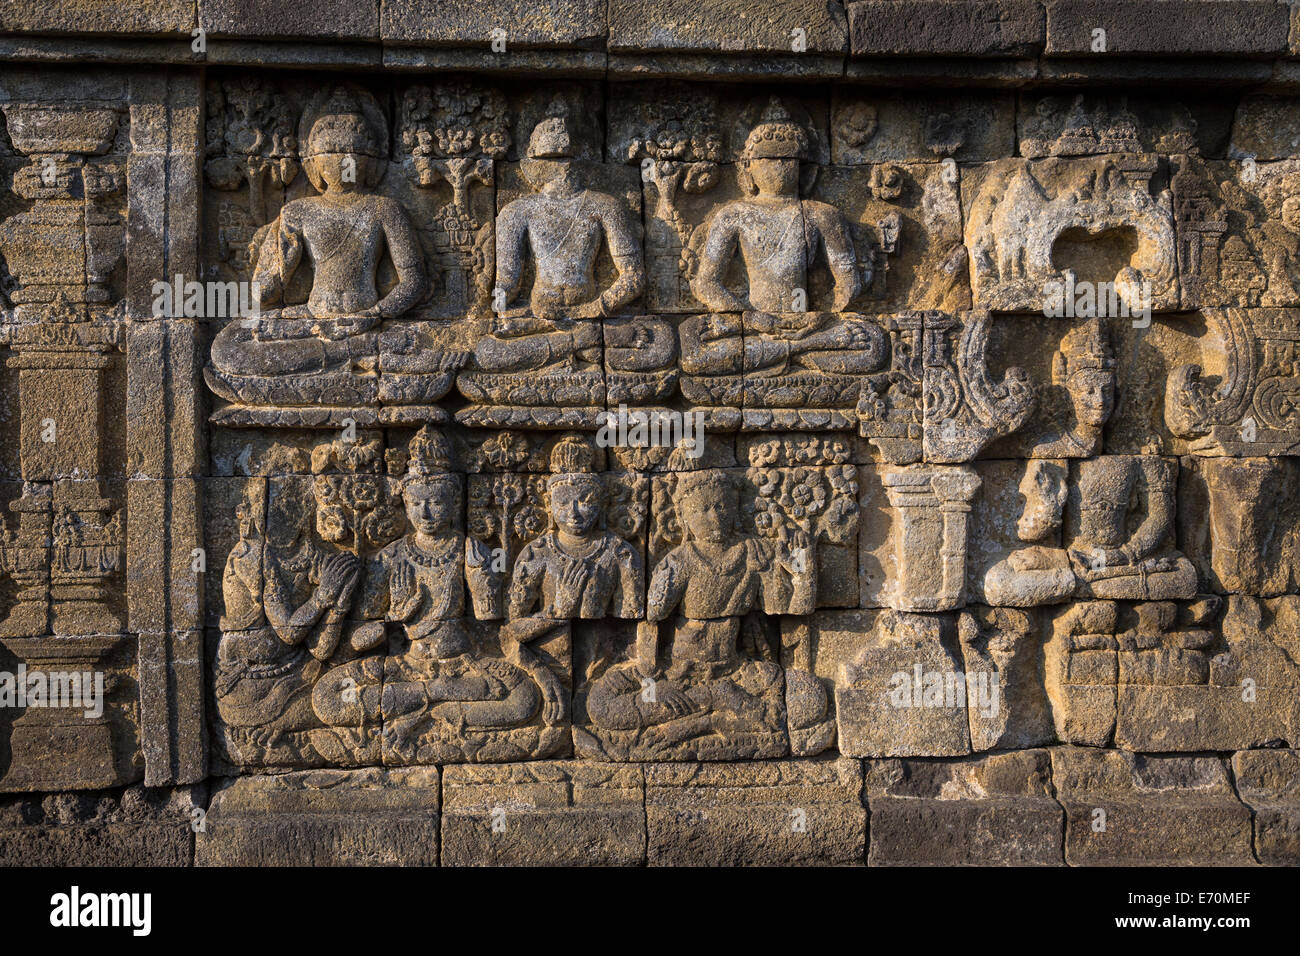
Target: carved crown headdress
[
  {"x": 573, "y": 462},
  {"x": 1085, "y": 348},
  {"x": 428, "y": 457}
]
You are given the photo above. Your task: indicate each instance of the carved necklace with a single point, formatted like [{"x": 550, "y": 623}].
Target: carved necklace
[
  {"x": 445, "y": 554},
  {"x": 582, "y": 554}
]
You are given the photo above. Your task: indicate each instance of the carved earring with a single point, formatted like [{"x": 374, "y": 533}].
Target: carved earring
[{"x": 744, "y": 180}]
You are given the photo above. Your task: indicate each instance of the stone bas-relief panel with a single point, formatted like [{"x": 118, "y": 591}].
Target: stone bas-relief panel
[
  {"x": 609, "y": 453},
  {"x": 982, "y": 486}
]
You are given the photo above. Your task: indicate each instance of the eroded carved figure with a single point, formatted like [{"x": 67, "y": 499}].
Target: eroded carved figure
[
  {"x": 715, "y": 691},
  {"x": 445, "y": 696},
  {"x": 325, "y": 350}
]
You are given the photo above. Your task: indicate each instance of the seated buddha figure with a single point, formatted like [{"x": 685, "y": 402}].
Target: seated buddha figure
[
  {"x": 577, "y": 569},
  {"x": 445, "y": 697},
  {"x": 343, "y": 233},
  {"x": 778, "y": 236},
  {"x": 556, "y": 337},
  {"x": 1123, "y": 547},
  {"x": 717, "y": 694}
]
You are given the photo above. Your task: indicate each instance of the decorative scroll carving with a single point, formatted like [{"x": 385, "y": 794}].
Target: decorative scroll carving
[
  {"x": 1253, "y": 408},
  {"x": 939, "y": 400}
]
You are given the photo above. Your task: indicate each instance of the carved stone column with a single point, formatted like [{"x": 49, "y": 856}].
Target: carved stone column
[
  {"x": 66, "y": 552},
  {"x": 933, "y": 505}
]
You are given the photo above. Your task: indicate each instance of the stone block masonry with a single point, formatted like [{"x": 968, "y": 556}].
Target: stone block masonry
[{"x": 650, "y": 433}]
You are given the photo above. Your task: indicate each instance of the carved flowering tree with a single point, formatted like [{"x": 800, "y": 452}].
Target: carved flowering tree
[
  {"x": 679, "y": 152},
  {"x": 507, "y": 509},
  {"x": 455, "y": 132},
  {"x": 818, "y": 496},
  {"x": 358, "y": 505},
  {"x": 249, "y": 140}
]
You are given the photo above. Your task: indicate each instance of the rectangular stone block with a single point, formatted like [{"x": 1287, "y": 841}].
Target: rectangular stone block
[
  {"x": 1005, "y": 698},
  {"x": 799, "y": 26},
  {"x": 554, "y": 24},
  {"x": 173, "y": 733},
  {"x": 146, "y": 17},
  {"x": 1267, "y": 127},
  {"x": 285, "y": 19},
  {"x": 773, "y": 813},
  {"x": 1194, "y": 717},
  {"x": 903, "y": 693},
  {"x": 183, "y": 433},
  {"x": 375, "y": 817},
  {"x": 1167, "y": 27},
  {"x": 550, "y": 813},
  {"x": 165, "y": 560},
  {"x": 137, "y": 826},
  {"x": 1126, "y": 809},
  {"x": 1268, "y": 781},
  {"x": 982, "y": 811},
  {"x": 945, "y": 28}
]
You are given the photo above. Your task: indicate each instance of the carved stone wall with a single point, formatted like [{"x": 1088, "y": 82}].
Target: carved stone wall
[{"x": 439, "y": 453}]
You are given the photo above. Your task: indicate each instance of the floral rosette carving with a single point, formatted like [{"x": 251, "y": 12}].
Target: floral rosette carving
[
  {"x": 804, "y": 484},
  {"x": 358, "y": 503}
]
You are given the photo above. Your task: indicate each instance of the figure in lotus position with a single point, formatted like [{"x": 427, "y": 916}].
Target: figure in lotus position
[
  {"x": 778, "y": 235},
  {"x": 560, "y": 228},
  {"x": 444, "y": 698},
  {"x": 552, "y": 352},
  {"x": 1123, "y": 548},
  {"x": 708, "y": 699},
  {"x": 776, "y": 231},
  {"x": 343, "y": 233}
]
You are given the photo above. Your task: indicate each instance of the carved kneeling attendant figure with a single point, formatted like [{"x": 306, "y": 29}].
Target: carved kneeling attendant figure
[
  {"x": 286, "y": 603},
  {"x": 1124, "y": 547}
]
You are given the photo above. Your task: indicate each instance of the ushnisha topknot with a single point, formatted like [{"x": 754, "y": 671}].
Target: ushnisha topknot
[
  {"x": 551, "y": 139},
  {"x": 428, "y": 457},
  {"x": 776, "y": 137},
  {"x": 573, "y": 462},
  {"x": 690, "y": 472},
  {"x": 347, "y": 121}
]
